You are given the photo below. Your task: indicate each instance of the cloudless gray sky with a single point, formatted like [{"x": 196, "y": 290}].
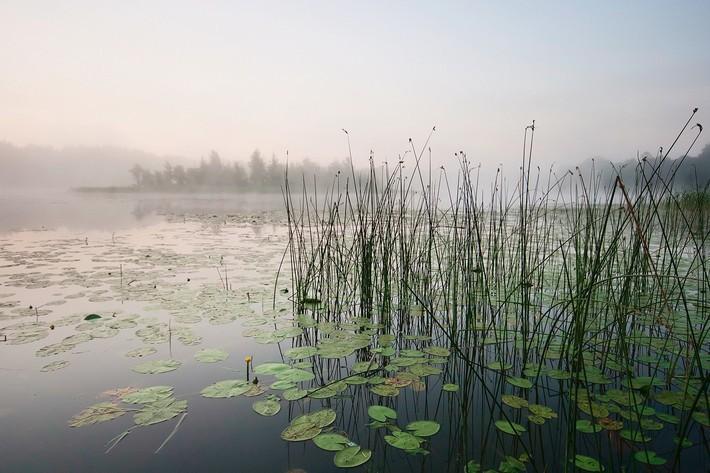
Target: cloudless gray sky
[{"x": 177, "y": 77}]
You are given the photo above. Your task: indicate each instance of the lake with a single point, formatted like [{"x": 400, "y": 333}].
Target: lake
[{"x": 103, "y": 296}]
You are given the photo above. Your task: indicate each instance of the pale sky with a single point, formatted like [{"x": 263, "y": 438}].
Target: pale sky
[{"x": 177, "y": 77}]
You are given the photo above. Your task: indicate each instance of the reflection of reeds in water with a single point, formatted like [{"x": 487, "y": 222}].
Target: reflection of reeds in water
[{"x": 605, "y": 282}]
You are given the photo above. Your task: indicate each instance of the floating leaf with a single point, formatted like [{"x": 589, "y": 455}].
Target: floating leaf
[
  {"x": 535, "y": 419},
  {"x": 226, "y": 388},
  {"x": 355, "y": 380},
  {"x": 331, "y": 442},
  {"x": 148, "y": 395},
  {"x": 701, "y": 418},
  {"x": 649, "y": 457},
  {"x": 586, "y": 426},
  {"x": 271, "y": 368},
  {"x": 322, "y": 418},
  {"x": 255, "y": 390},
  {"x": 282, "y": 385},
  {"x": 54, "y": 366},
  {"x": 300, "y": 353},
  {"x": 295, "y": 375},
  {"x": 385, "y": 390},
  {"x": 323, "y": 392},
  {"x": 211, "y": 355},
  {"x": 499, "y": 366},
  {"x": 592, "y": 408},
  {"x": 267, "y": 407},
  {"x": 101, "y": 412},
  {"x": 519, "y": 382},
  {"x": 670, "y": 418},
  {"x": 141, "y": 352},
  {"x": 586, "y": 463},
  {"x": 634, "y": 435},
  {"x": 610, "y": 424},
  {"x": 684, "y": 442},
  {"x": 381, "y": 413},
  {"x": 403, "y": 440},
  {"x": 423, "y": 428},
  {"x": 514, "y": 401},
  {"x": 159, "y": 411},
  {"x": 542, "y": 411},
  {"x": 300, "y": 432},
  {"x": 512, "y": 464},
  {"x": 509, "y": 427},
  {"x": 294, "y": 394},
  {"x": 411, "y": 353},
  {"x": 351, "y": 457},
  {"x": 437, "y": 351},
  {"x": 641, "y": 382},
  {"x": 424, "y": 370},
  {"x": 157, "y": 366},
  {"x": 450, "y": 387}
]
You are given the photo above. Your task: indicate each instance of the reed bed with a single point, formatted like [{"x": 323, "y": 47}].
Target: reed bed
[{"x": 593, "y": 292}]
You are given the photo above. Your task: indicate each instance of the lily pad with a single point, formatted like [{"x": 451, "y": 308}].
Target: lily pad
[
  {"x": 542, "y": 411},
  {"x": 403, "y": 440},
  {"x": 499, "y": 366},
  {"x": 267, "y": 408},
  {"x": 586, "y": 463},
  {"x": 437, "y": 351},
  {"x": 322, "y": 418},
  {"x": 54, "y": 366},
  {"x": 300, "y": 353},
  {"x": 141, "y": 352},
  {"x": 148, "y": 395},
  {"x": 159, "y": 411},
  {"x": 649, "y": 457},
  {"x": 515, "y": 402},
  {"x": 331, "y": 442},
  {"x": 381, "y": 413},
  {"x": 351, "y": 457},
  {"x": 424, "y": 370},
  {"x": 101, "y": 412},
  {"x": 384, "y": 390},
  {"x": 282, "y": 385},
  {"x": 211, "y": 355},
  {"x": 300, "y": 432},
  {"x": 294, "y": 394},
  {"x": 295, "y": 375},
  {"x": 226, "y": 388},
  {"x": 523, "y": 383},
  {"x": 157, "y": 366},
  {"x": 423, "y": 428},
  {"x": 509, "y": 427},
  {"x": 586, "y": 426},
  {"x": 271, "y": 368}
]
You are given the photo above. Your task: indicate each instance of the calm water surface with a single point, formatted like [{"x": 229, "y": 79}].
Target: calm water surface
[{"x": 203, "y": 268}]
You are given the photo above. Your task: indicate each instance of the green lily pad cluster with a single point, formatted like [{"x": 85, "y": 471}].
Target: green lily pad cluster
[
  {"x": 409, "y": 439},
  {"x": 308, "y": 426},
  {"x": 157, "y": 404}
]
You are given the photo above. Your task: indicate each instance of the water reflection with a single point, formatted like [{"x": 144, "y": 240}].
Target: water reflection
[{"x": 51, "y": 209}]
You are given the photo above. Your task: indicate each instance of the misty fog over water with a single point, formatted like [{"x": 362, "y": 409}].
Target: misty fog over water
[{"x": 74, "y": 211}]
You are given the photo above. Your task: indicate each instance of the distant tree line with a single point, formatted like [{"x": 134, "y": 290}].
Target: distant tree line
[
  {"x": 690, "y": 175},
  {"x": 257, "y": 175}
]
